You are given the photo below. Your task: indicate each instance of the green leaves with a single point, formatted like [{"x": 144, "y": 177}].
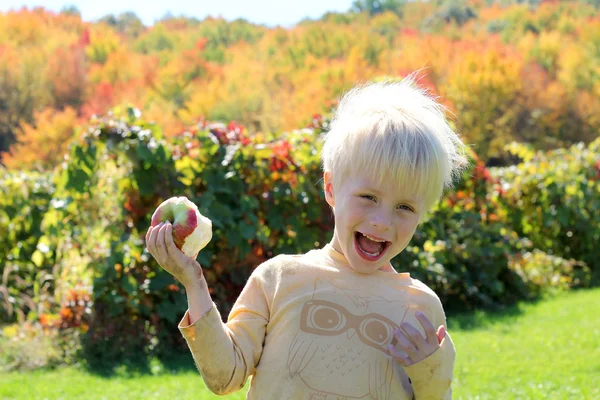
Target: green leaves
[
  {"x": 264, "y": 198},
  {"x": 24, "y": 251},
  {"x": 555, "y": 197}
]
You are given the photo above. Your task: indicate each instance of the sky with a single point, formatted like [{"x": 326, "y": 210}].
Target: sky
[{"x": 268, "y": 12}]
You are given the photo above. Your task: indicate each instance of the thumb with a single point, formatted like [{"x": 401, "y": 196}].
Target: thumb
[{"x": 441, "y": 333}]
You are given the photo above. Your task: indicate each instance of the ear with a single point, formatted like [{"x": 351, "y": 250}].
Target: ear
[{"x": 329, "y": 196}]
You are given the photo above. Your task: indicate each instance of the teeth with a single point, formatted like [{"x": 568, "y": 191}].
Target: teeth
[
  {"x": 373, "y": 239},
  {"x": 371, "y": 254}
]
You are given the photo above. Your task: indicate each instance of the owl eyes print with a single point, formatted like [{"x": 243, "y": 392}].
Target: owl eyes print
[
  {"x": 325, "y": 318},
  {"x": 341, "y": 343}
]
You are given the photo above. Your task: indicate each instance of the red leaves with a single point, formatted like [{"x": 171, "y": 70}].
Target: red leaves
[
  {"x": 100, "y": 101},
  {"x": 281, "y": 149},
  {"x": 201, "y": 44},
  {"x": 410, "y": 32},
  {"x": 67, "y": 74},
  {"x": 84, "y": 39},
  {"x": 281, "y": 158},
  {"x": 482, "y": 173}
]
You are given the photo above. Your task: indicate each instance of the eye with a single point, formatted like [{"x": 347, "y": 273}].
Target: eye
[
  {"x": 404, "y": 207},
  {"x": 369, "y": 197},
  {"x": 326, "y": 318},
  {"x": 377, "y": 331}
]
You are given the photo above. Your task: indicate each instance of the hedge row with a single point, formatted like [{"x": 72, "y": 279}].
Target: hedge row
[{"x": 75, "y": 255}]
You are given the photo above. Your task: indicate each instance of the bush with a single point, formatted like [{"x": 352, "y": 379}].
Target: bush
[
  {"x": 462, "y": 250},
  {"x": 32, "y": 345},
  {"x": 259, "y": 192},
  {"x": 553, "y": 199},
  {"x": 544, "y": 273},
  {"x": 263, "y": 197},
  {"x": 469, "y": 255},
  {"x": 25, "y": 280}
]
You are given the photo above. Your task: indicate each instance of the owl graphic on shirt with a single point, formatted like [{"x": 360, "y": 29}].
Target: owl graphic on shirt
[{"x": 340, "y": 346}]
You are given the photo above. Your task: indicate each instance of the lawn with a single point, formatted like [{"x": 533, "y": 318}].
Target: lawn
[{"x": 544, "y": 350}]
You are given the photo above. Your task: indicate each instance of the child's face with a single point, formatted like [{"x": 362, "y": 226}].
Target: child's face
[{"x": 364, "y": 211}]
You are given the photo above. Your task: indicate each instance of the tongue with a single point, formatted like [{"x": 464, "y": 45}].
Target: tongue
[{"x": 368, "y": 245}]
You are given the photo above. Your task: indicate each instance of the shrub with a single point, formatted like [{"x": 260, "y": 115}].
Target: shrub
[
  {"x": 553, "y": 199},
  {"x": 544, "y": 273},
  {"x": 25, "y": 279},
  {"x": 262, "y": 193}
]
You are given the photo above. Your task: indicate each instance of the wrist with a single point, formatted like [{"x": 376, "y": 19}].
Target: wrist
[
  {"x": 191, "y": 285},
  {"x": 199, "y": 299}
]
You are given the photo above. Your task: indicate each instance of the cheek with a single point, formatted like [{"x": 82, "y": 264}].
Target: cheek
[
  {"x": 353, "y": 214},
  {"x": 407, "y": 226}
]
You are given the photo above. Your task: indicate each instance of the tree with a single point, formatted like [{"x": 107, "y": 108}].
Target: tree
[
  {"x": 127, "y": 23},
  {"x": 70, "y": 10},
  {"x": 22, "y": 90},
  {"x": 43, "y": 144},
  {"x": 374, "y": 7}
]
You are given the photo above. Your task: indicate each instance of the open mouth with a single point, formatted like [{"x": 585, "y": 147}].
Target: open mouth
[{"x": 370, "y": 248}]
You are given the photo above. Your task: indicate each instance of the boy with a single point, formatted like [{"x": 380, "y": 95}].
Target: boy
[{"x": 339, "y": 322}]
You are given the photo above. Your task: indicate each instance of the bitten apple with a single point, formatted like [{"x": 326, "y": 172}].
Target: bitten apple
[{"x": 191, "y": 230}]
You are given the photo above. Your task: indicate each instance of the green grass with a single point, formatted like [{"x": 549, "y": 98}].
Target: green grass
[{"x": 546, "y": 350}]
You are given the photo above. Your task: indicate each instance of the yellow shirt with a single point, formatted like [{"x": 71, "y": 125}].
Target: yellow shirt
[{"x": 310, "y": 327}]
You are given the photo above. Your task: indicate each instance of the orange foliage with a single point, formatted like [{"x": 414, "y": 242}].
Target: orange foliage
[
  {"x": 512, "y": 72},
  {"x": 67, "y": 75},
  {"x": 42, "y": 145}
]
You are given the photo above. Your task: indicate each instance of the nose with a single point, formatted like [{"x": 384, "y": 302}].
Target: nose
[{"x": 381, "y": 223}]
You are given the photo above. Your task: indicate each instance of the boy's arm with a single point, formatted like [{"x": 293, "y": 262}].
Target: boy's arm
[{"x": 226, "y": 354}]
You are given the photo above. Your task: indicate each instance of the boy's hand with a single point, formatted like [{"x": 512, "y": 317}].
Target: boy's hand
[
  {"x": 413, "y": 347},
  {"x": 159, "y": 241}
]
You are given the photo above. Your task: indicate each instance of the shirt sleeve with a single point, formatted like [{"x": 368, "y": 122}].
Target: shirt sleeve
[
  {"x": 431, "y": 378},
  {"x": 227, "y": 354}
]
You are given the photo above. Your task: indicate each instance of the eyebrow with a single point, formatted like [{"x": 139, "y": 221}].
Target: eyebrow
[{"x": 375, "y": 191}]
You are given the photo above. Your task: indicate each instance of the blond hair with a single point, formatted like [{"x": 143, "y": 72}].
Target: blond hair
[{"x": 396, "y": 131}]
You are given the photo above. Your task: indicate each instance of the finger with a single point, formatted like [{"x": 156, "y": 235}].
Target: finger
[
  {"x": 161, "y": 247},
  {"x": 172, "y": 250},
  {"x": 148, "y": 235},
  {"x": 430, "y": 334},
  {"x": 399, "y": 355},
  {"x": 152, "y": 241},
  {"x": 405, "y": 344},
  {"x": 441, "y": 333},
  {"x": 414, "y": 336},
  {"x": 179, "y": 257}
]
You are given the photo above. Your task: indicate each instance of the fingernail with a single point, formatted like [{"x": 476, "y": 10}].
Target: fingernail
[{"x": 420, "y": 314}]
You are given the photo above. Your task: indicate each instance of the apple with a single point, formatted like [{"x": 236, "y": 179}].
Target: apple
[{"x": 191, "y": 230}]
